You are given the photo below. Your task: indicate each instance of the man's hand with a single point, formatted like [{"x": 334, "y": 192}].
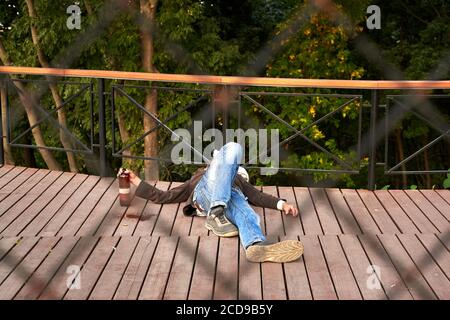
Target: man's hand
[
  {"x": 134, "y": 179},
  {"x": 290, "y": 209}
]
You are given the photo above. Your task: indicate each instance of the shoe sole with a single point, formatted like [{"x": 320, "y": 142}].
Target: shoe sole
[
  {"x": 223, "y": 235},
  {"x": 284, "y": 251}
]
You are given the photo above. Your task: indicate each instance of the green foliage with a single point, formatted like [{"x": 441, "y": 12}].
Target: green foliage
[{"x": 446, "y": 183}]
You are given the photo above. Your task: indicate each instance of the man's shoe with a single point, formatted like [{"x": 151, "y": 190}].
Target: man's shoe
[
  {"x": 218, "y": 223},
  {"x": 284, "y": 251}
]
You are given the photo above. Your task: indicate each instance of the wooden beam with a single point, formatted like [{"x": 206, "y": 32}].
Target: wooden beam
[{"x": 230, "y": 80}]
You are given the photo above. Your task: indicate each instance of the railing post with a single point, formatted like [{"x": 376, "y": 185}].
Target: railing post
[
  {"x": 372, "y": 140},
  {"x": 102, "y": 126},
  {"x": 2, "y": 98}
]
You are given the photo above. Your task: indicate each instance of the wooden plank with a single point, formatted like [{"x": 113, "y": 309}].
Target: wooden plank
[
  {"x": 412, "y": 277},
  {"x": 62, "y": 200},
  {"x": 88, "y": 216},
  {"x": 150, "y": 214},
  {"x": 342, "y": 211},
  {"x": 14, "y": 178},
  {"x": 431, "y": 272},
  {"x": 106, "y": 216},
  {"x": 198, "y": 227},
  {"x": 274, "y": 218},
  {"x": 15, "y": 256},
  {"x": 93, "y": 268},
  {"x": 341, "y": 273},
  {"x": 377, "y": 211},
  {"x": 31, "y": 196},
  {"x": 158, "y": 273},
  {"x": 25, "y": 269},
  {"x": 28, "y": 215},
  {"x": 404, "y": 223},
  {"x": 308, "y": 215},
  {"x": 420, "y": 220},
  {"x": 202, "y": 283},
  {"x": 445, "y": 239},
  {"x": 20, "y": 191},
  {"x": 319, "y": 279},
  {"x": 76, "y": 207},
  {"x": 134, "y": 275},
  {"x": 445, "y": 194},
  {"x": 437, "y": 250},
  {"x": 293, "y": 225},
  {"x": 6, "y": 244},
  {"x": 182, "y": 223},
  {"x": 182, "y": 269},
  {"x": 360, "y": 212},
  {"x": 132, "y": 215},
  {"x": 109, "y": 280},
  {"x": 250, "y": 287},
  {"x": 324, "y": 211},
  {"x": 58, "y": 285},
  {"x": 438, "y": 202},
  {"x": 297, "y": 283},
  {"x": 359, "y": 264},
  {"x": 391, "y": 281},
  {"x": 230, "y": 80},
  {"x": 166, "y": 219},
  {"x": 5, "y": 168},
  {"x": 429, "y": 210},
  {"x": 9, "y": 173},
  {"x": 41, "y": 277},
  {"x": 272, "y": 277},
  {"x": 226, "y": 283}
]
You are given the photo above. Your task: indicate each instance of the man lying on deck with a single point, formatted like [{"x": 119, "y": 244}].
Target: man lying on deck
[{"x": 220, "y": 194}]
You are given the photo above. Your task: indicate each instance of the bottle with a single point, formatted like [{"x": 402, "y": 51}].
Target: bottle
[{"x": 124, "y": 188}]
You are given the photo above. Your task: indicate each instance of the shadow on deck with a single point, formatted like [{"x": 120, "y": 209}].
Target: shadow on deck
[{"x": 56, "y": 224}]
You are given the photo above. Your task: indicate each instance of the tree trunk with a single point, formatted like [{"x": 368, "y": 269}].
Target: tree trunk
[
  {"x": 26, "y": 100},
  {"x": 125, "y": 137},
  {"x": 8, "y": 156},
  {"x": 63, "y": 136},
  {"x": 401, "y": 154},
  {"x": 148, "y": 10}
]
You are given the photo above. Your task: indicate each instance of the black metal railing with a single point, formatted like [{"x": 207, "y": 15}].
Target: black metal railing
[{"x": 367, "y": 146}]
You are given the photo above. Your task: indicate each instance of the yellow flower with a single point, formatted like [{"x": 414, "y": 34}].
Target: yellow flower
[{"x": 312, "y": 111}]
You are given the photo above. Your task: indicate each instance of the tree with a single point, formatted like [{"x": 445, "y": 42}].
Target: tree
[{"x": 65, "y": 140}]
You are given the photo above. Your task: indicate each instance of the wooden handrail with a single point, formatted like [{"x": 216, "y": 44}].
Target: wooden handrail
[{"x": 230, "y": 80}]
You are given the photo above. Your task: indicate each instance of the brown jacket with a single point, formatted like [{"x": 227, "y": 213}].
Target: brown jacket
[{"x": 185, "y": 192}]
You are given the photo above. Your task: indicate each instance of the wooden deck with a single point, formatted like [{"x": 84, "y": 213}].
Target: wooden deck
[{"x": 52, "y": 223}]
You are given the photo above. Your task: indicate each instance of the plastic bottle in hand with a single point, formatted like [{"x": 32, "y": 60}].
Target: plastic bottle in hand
[{"x": 124, "y": 188}]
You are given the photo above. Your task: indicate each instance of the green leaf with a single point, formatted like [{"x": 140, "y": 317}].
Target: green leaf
[
  {"x": 386, "y": 187},
  {"x": 413, "y": 187},
  {"x": 447, "y": 183}
]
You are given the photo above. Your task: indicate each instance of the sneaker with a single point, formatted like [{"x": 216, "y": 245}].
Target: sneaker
[
  {"x": 218, "y": 223},
  {"x": 284, "y": 251}
]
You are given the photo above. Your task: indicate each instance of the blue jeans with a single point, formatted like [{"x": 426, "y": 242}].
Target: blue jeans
[{"x": 216, "y": 188}]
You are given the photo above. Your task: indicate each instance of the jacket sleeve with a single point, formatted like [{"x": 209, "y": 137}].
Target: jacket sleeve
[
  {"x": 257, "y": 197},
  {"x": 175, "y": 195}
]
